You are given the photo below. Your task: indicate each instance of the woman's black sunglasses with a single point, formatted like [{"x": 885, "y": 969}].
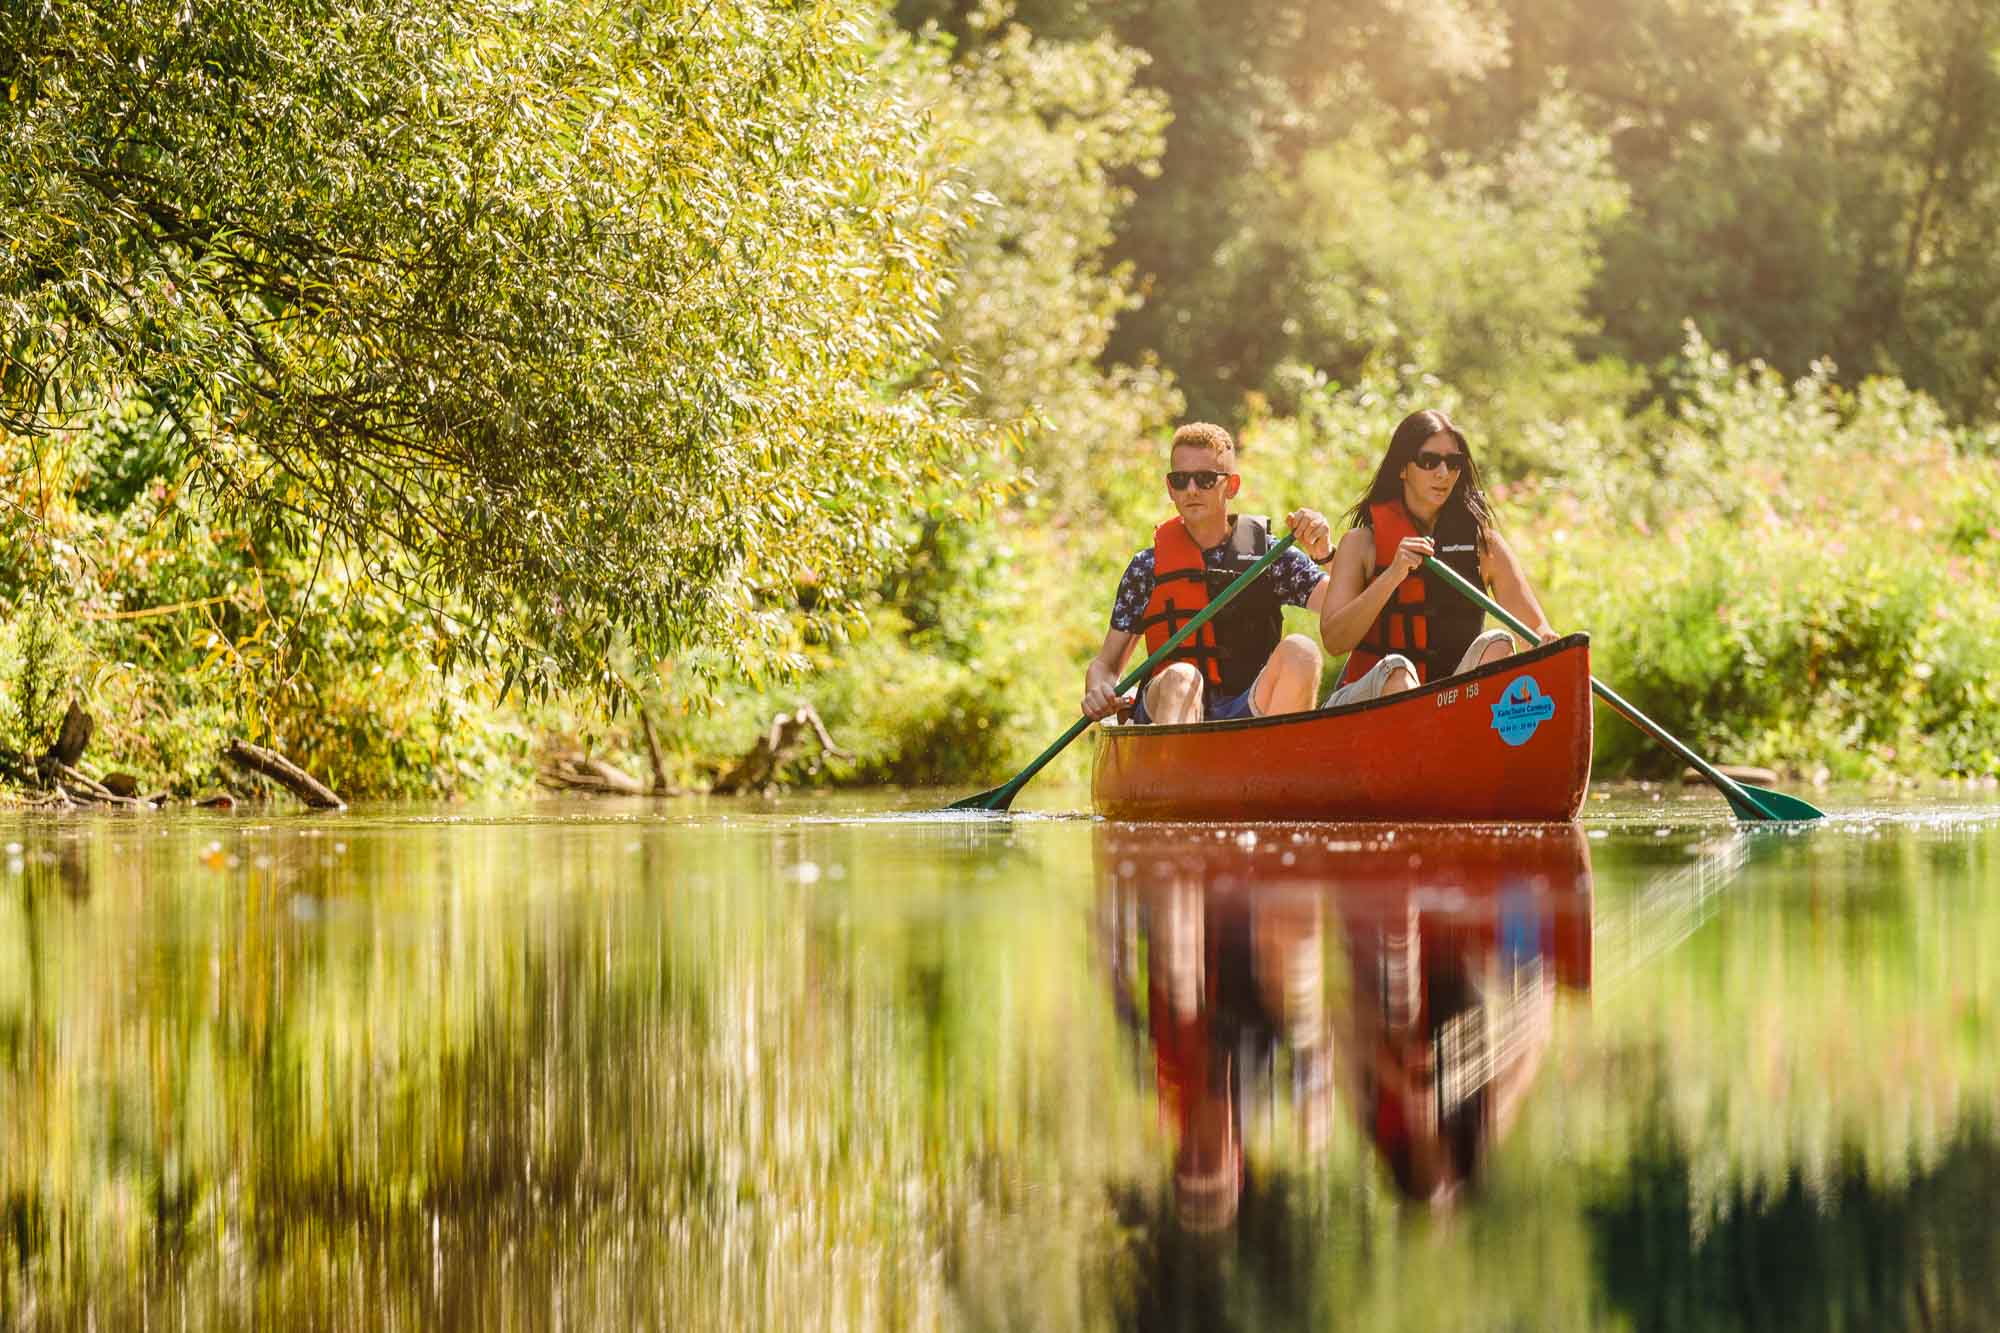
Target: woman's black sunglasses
[
  {"x": 1429, "y": 460},
  {"x": 1202, "y": 480}
]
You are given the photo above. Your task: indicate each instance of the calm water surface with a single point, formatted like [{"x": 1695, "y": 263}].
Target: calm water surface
[{"x": 833, "y": 1066}]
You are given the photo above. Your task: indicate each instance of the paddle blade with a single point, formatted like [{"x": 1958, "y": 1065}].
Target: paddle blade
[
  {"x": 1773, "y": 805},
  {"x": 999, "y": 798}
]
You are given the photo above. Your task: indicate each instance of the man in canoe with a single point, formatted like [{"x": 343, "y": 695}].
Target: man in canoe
[
  {"x": 1241, "y": 663},
  {"x": 1404, "y": 629}
]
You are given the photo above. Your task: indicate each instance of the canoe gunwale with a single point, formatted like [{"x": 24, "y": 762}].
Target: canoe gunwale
[{"x": 1514, "y": 662}]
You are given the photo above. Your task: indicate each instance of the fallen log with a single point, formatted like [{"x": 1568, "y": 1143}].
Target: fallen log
[
  {"x": 758, "y": 769},
  {"x": 57, "y": 766},
  {"x": 82, "y": 787},
  {"x": 577, "y": 772},
  {"x": 274, "y": 766},
  {"x": 1763, "y": 777}
]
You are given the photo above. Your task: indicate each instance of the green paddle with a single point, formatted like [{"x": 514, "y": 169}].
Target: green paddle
[
  {"x": 1003, "y": 796},
  {"x": 1747, "y": 801}
]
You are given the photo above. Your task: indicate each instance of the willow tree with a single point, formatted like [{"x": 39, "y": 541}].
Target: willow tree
[{"x": 575, "y": 321}]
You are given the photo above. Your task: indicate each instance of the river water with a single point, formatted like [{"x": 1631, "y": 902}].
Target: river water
[{"x": 842, "y": 1064}]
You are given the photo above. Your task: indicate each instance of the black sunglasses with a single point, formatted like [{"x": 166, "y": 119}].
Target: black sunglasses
[
  {"x": 1429, "y": 461},
  {"x": 1206, "y": 481}
]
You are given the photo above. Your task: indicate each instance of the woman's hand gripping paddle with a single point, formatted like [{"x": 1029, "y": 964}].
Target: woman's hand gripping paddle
[
  {"x": 1003, "y": 796},
  {"x": 1748, "y": 802}
]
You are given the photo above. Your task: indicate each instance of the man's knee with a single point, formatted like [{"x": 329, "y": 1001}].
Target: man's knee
[
  {"x": 1175, "y": 694},
  {"x": 1289, "y": 679},
  {"x": 1175, "y": 682},
  {"x": 1296, "y": 652}
]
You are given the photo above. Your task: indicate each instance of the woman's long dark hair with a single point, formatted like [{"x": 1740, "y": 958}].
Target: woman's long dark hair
[{"x": 1409, "y": 437}]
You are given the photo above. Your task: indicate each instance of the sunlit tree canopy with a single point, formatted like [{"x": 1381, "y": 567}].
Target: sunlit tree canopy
[{"x": 569, "y": 320}]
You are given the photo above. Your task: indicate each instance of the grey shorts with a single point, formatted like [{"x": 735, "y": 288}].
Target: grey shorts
[{"x": 1370, "y": 685}]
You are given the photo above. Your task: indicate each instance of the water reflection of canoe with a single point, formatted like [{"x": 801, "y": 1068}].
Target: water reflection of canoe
[
  {"x": 1509, "y": 741},
  {"x": 1460, "y": 880},
  {"x": 1227, "y": 949}
]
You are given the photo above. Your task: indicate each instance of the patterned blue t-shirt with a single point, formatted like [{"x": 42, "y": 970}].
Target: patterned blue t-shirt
[{"x": 1294, "y": 571}]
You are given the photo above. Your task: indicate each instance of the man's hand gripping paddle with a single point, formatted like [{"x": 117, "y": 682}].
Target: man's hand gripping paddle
[{"x": 1003, "y": 796}]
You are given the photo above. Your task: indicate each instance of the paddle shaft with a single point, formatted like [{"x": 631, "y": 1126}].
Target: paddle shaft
[
  {"x": 1003, "y": 796},
  {"x": 1739, "y": 799}
]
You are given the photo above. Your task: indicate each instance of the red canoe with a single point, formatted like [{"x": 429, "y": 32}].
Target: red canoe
[{"x": 1509, "y": 741}]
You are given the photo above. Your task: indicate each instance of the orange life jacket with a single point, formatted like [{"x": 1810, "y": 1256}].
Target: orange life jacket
[
  {"x": 1231, "y": 648},
  {"x": 1428, "y": 623}
]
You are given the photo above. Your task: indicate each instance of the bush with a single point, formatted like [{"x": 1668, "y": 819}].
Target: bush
[{"x": 1777, "y": 655}]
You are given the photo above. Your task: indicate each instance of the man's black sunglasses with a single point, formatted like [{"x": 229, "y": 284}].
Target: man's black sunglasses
[
  {"x": 1203, "y": 480},
  {"x": 1429, "y": 460}
]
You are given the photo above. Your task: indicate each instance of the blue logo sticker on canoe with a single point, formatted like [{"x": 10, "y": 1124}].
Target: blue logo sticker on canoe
[{"x": 1522, "y": 708}]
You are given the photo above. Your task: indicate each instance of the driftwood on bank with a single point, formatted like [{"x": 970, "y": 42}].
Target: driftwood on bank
[
  {"x": 777, "y": 747},
  {"x": 270, "y": 764},
  {"x": 574, "y": 771},
  {"x": 81, "y": 787},
  {"x": 58, "y": 773},
  {"x": 580, "y": 772},
  {"x": 1763, "y": 777}
]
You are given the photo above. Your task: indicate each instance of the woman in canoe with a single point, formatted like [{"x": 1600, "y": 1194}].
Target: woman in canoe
[{"x": 1398, "y": 627}]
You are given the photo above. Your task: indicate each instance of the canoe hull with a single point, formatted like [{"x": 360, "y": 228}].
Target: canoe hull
[{"x": 1507, "y": 742}]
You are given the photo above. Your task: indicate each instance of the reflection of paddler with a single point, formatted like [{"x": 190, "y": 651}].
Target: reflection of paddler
[
  {"x": 1232, "y": 979},
  {"x": 1195, "y": 1081},
  {"x": 1440, "y": 1074},
  {"x": 1454, "y": 986}
]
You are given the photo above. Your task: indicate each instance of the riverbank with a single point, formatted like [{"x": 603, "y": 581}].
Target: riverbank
[{"x": 1785, "y": 574}]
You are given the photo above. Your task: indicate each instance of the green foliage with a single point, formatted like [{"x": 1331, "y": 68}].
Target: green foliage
[
  {"x": 176, "y": 632},
  {"x": 1254, "y": 89},
  {"x": 1487, "y": 292},
  {"x": 576, "y": 324},
  {"x": 1049, "y": 133},
  {"x": 35, "y": 660},
  {"x": 1791, "y": 659},
  {"x": 359, "y": 364},
  {"x": 1802, "y": 181},
  {"x": 1784, "y": 589},
  {"x": 977, "y": 626}
]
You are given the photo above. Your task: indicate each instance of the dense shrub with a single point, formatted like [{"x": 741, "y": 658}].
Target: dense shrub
[{"x": 1784, "y": 573}]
